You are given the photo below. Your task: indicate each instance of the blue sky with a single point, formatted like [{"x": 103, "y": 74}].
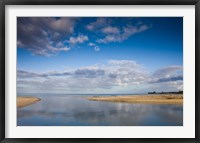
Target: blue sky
[{"x": 99, "y": 54}]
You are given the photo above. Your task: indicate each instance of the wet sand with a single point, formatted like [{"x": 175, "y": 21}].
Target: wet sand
[
  {"x": 25, "y": 101},
  {"x": 147, "y": 99}
]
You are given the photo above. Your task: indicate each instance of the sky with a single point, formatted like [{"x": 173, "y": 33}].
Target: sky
[{"x": 99, "y": 55}]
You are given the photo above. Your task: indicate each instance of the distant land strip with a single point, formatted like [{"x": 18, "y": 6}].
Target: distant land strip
[
  {"x": 147, "y": 99},
  {"x": 179, "y": 92},
  {"x": 25, "y": 101}
]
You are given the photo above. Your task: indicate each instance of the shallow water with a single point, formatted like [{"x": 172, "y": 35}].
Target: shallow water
[{"x": 75, "y": 110}]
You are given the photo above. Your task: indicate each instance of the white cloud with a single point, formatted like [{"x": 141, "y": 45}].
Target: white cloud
[
  {"x": 110, "y": 30},
  {"x": 122, "y": 62},
  {"x": 62, "y": 25},
  {"x": 167, "y": 72},
  {"x": 116, "y": 74},
  {"x": 167, "y": 78},
  {"x": 77, "y": 40},
  {"x": 92, "y": 44},
  {"x": 100, "y": 22},
  {"x": 114, "y": 35},
  {"x": 43, "y": 35},
  {"x": 57, "y": 48},
  {"x": 19, "y": 43}
]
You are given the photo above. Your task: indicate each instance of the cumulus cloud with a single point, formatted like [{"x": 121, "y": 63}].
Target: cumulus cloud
[
  {"x": 175, "y": 78},
  {"x": 114, "y": 35},
  {"x": 47, "y": 36},
  {"x": 90, "y": 73},
  {"x": 123, "y": 62},
  {"x": 100, "y": 22},
  {"x": 92, "y": 44},
  {"x": 110, "y": 30},
  {"x": 114, "y": 74},
  {"x": 30, "y": 74},
  {"x": 167, "y": 72},
  {"x": 167, "y": 77},
  {"x": 41, "y": 35},
  {"x": 167, "y": 86},
  {"x": 77, "y": 40},
  {"x": 87, "y": 72}
]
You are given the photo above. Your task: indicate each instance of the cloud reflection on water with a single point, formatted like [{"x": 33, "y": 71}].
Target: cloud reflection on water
[{"x": 77, "y": 111}]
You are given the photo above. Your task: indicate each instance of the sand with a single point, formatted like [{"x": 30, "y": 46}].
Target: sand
[
  {"x": 25, "y": 101},
  {"x": 147, "y": 99}
]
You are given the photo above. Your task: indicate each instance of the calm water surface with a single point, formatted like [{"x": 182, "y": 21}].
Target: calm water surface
[{"x": 75, "y": 110}]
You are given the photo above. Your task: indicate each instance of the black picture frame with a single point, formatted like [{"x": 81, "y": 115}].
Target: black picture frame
[{"x": 3, "y": 4}]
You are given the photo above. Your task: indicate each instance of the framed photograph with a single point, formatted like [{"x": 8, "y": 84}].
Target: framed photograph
[{"x": 106, "y": 71}]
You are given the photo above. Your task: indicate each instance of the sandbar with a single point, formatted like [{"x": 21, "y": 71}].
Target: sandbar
[
  {"x": 147, "y": 99},
  {"x": 25, "y": 101}
]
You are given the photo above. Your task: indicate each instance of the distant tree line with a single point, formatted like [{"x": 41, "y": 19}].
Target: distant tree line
[{"x": 179, "y": 92}]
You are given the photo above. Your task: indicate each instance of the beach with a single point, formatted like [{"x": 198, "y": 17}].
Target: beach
[
  {"x": 25, "y": 101},
  {"x": 147, "y": 99}
]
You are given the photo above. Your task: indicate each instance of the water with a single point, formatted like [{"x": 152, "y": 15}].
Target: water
[{"x": 75, "y": 110}]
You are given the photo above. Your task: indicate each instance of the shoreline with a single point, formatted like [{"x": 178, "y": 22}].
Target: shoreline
[
  {"x": 145, "y": 99},
  {"x": 23, "y": 101}
]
